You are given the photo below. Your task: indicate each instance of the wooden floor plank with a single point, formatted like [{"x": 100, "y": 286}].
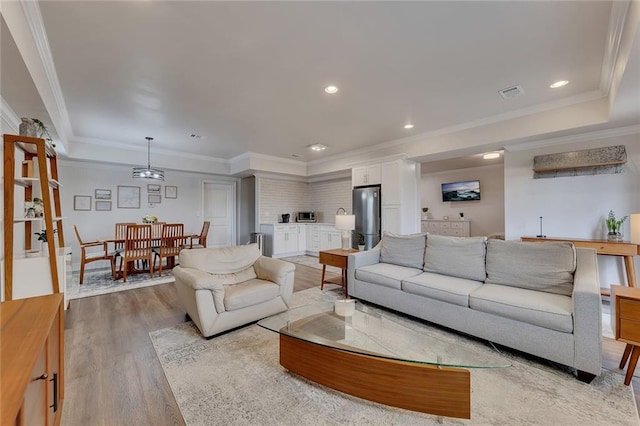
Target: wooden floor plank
[{"x": 112, "y": 373}]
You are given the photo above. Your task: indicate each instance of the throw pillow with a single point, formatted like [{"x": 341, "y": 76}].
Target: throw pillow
[
  {"x": 547, "y": 267},
  {"x": 462, "y": 257},
  {"x": 402, "y": 250}
]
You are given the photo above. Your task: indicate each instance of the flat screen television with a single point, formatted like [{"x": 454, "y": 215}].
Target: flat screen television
[{"x": 461, "y": 191}]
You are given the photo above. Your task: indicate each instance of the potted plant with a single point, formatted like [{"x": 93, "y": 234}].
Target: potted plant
[
  {"x": 614, "y": 225},
  {"x": 42, "y": 235},
  {"x": 361, "y": 242},
  {"x": 461, "y": 215},
  {"x": 425, "y": 210}
]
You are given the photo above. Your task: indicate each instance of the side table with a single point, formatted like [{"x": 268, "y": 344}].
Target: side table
[
  {"x": 338, "y": 258},
  {"x": 625, "y": 317}
]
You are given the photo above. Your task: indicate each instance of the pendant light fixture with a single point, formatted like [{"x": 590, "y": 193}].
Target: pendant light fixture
[{"x": 148, "y": 172}]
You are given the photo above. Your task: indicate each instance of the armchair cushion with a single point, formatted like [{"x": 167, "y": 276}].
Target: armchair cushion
[
  {"x": 275, "y": 270},
  {"x": 249, "y": 293},
  {"x": 224, "y": 260}
]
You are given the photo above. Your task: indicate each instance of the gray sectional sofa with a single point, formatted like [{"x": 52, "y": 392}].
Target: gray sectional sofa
[{"x": 542, "y": 299}]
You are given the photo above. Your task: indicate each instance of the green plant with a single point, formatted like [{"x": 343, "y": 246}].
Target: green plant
[
  {"x": 360, "y": 239},
  {"x": 42, "y": 130},
  {"x": 42, "y": 235},
  {"x": 613, "y": 224}
]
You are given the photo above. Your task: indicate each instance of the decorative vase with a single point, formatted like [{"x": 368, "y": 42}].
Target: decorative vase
[
  {"x": 614, "y": 236},
  {"x": 28, "y": 128},
  {"x": 361, "y": 247}
]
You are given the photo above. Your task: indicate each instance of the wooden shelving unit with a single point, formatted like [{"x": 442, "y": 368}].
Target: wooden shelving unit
[{"x": 34, "y": 149}]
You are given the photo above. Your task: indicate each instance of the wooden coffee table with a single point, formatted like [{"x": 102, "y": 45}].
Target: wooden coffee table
[{"x": 338, "y": 258}]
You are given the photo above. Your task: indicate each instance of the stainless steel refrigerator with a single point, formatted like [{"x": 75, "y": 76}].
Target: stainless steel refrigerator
[{"x": 366, "y": 208}]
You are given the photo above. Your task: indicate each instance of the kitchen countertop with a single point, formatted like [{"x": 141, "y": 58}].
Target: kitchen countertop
[{"x": 299, "y": 223}]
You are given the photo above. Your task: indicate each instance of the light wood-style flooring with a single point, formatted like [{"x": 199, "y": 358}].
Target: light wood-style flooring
[{"x": 113, "y": 376}]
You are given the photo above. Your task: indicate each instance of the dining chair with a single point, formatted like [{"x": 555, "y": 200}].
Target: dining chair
[
  {"x": 93, "y": 256},
  {"x": 137, "y": 246},
  {"x": 202, "y": 238},
  {"x": 171, "y": 243},
  {"x": 120, "y": 233}
]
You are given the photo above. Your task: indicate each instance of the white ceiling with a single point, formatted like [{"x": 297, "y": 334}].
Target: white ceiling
[{"x": 249, "y": 76}]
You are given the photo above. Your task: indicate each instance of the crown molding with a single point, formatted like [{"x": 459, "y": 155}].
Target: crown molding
[
  {"x": 9, "y": 116},
  {"x": 421, "y": 138},
  {"x": 619, "y": 10},
  {"x": 249, "y": 155},
  {"x": 33, "y": 17},
  {"x": 581, "y": 137},
  {"x": 268, "y": 175}
]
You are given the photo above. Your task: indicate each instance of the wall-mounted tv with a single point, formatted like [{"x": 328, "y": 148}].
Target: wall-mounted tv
[{"x": 461, "y": 191}]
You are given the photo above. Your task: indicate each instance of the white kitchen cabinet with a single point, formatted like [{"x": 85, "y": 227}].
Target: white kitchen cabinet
[
  {"x": 281, "y": 240},
  {"x": 330, "y": 239},
  {"x": 366, "y": 175},
  {"x": 313, "y": 239},
  {"x": 455, "y": 227},
  {"x": 400, "y": 194}
]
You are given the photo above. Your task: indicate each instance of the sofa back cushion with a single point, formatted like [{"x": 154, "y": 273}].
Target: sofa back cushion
[
  {"x": 462, "y": 257},
  {"x": 231, "y": 264},
  {"x": 547, "y": 267},
  {"x": 403, "y": 250}
]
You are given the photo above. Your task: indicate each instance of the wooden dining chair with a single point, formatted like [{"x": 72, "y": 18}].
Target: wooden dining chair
[
  {"x": 137, "y": 246},
  {"x": 93, "y": 256},
  {"x": 171, "y": 244},
  {"x": 202, "y": 238},
  {"x": 120, "y": 233}
]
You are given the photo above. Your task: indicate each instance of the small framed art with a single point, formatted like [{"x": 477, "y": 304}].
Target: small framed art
[
  {"x": 128, "y": 197},
  {"x": 103, "y": 206},
  {"x": 153, "y": 188},
  {"x": 82, "y": 202},
  {"x": 155, "y": 198},
  {"x": 170, "y": 192},
  {"x": 103, "y": 194}
]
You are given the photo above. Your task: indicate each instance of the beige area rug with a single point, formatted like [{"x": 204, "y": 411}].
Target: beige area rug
[
  {"x": 236, "y": 379},
  {"x": 312, "y": 262}
]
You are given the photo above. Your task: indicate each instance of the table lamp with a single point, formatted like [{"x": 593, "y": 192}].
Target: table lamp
[
  {"x": 635, "y": 228},
  {"x": 346, "y": 223}
]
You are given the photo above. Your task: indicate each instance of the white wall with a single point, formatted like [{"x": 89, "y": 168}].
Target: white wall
[
  {"x": 486, "y": 215},
  {"x": 83, "y": 178},
  {"x": 328, "y": 196},
  {"x": 572, "y": 207}
]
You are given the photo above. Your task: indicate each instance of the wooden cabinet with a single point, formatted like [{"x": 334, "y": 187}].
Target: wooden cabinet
[
  {"x": 366, "y": 175},
  {"x": 21, "y": 184},
  {"x": 455, "y": 228},
  {"x": 32, "y": 361}
]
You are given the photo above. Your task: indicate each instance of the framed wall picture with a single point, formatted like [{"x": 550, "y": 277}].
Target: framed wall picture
[
  {"x": 155, "y": 198},
  {"x": 153, "y": 188},
  {"x": 128, "y": 197},
  {"x": 170, "y": 192},
  {"x": 103, "y": 206},
  {"x": 82, "y": 202},
  {"x": 103, "y": 194}
]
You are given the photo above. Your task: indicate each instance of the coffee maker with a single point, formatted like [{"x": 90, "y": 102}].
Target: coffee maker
[{"x": 285, "y": 218}]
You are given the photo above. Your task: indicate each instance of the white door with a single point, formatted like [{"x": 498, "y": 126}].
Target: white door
[{"x": 219, "y": 207}]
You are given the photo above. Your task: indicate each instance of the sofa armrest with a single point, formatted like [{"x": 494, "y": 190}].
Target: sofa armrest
[
  {"x": 587, "y": 308},
  {"x": 357, "y": 260},
  {"x": 200, "y": 280},
  {"x": 279, "y": 272}
]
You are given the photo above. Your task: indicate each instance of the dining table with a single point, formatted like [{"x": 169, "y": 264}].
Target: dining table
[{"x": 156, "y": 242}]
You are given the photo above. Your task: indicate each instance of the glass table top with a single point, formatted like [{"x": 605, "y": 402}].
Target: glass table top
[{"x": 375, "y": 332}]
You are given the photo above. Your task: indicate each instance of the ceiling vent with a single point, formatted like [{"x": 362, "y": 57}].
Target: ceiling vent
[{"x": 511, "y": 92}]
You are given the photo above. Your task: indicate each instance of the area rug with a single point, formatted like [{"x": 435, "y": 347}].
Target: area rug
[
  {"x": 236, "y": 379},
  {"x": 100, "y": 281},
  {"x": 312, "y": 262}
]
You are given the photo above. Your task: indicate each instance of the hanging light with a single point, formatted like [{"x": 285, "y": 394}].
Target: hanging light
[{"x": 148, "y": 172}]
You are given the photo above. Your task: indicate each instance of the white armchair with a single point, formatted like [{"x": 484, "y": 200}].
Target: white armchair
[{"x": 224, "y": 288}]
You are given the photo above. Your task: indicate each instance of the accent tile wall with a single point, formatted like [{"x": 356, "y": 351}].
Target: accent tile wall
[{"x": 286, "y": 196}]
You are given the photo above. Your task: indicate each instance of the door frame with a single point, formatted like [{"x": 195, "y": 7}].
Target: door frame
[{"x": 234, "y": 204}]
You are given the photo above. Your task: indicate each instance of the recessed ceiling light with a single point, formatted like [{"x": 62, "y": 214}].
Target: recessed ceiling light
[
  {"x": 409, "y": 126},
  {"x": 491, "y": 155},
  {"x": 560, "y": 83},
  {"x": 331, "y": 89},
  {"x": 317, "y": 147}
]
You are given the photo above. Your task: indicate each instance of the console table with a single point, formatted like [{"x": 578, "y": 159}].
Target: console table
[{"x": 624, "y": 249}]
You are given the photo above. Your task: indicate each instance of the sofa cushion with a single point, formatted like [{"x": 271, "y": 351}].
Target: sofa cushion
[
  {"x": 249, "y": 293},
  {"x": 462, "y": 257},
  {"x": 224, "y": 260},
  {"x": 386, "y": 274},
  {"x": 441, "y": 287},
  {"x": 548, "y": 310},
  {"x": 547, "y": 267},
  {"x": 403, "y": 250}
]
